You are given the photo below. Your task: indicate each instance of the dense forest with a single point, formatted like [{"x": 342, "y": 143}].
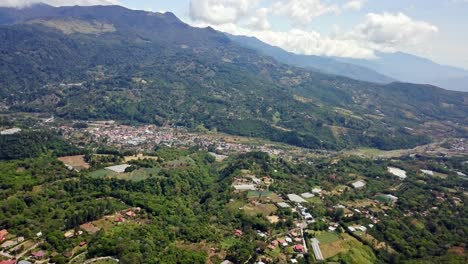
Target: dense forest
[{"x": 33, "y": 143}]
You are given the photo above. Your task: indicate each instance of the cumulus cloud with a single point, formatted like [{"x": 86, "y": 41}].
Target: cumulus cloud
[
  {"x": 384, "y": 32},
  {"x": 355, "y": 4},
  {"x": 392, "y": 30},
  {"x": 221, "y": 11},
  {"x": 259, "y": 20},
  {"x": 301, "y": 41},
  {"x": 23, "y": 3},
  {"x": 303, "y": 11}
]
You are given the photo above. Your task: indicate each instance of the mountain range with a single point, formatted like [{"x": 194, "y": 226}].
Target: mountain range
[
  {"x": 109, "y": 62},
  {"x": 386, "y": 68}
]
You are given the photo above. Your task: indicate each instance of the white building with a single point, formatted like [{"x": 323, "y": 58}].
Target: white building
[
  {"x": 283, "y": 205},
  {"x": 397, "y": 172},
  {"x": 10, "y": 131},
  {"x": 358, "y": 184},
  {"x": 118, "y": 168},
  {"x": 296, "y": 198}
]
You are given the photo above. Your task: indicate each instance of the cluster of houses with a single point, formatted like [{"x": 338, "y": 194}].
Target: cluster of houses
[
  {"x": 11, "y": 245},
  {"x": 251, "y": 183},
  {"x": 294, "y": 239},
  {"x": 145, "y": 137}
]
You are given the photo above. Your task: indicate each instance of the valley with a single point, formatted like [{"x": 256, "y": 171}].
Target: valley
[
  {"x": 249, "y": 200},
  {"x": 132, "y": 137}
]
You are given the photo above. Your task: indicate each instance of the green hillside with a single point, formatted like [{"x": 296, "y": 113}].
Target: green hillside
[{"x": 152, "y": 68}]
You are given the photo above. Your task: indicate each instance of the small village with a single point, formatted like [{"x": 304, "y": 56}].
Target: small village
[
  {"x": 18, "y": 250},
  {"x": 147, "y": 136},
  {"x": 319, "y": 221},
  {"x": 252, "y": 196}
]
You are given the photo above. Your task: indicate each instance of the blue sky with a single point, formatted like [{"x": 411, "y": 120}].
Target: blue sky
[
  {"x": 435, "y": 29},
  {"x": 449, "y": 45}
]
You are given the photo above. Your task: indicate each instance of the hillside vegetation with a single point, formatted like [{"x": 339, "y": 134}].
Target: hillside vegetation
[{"x": 155, "y": 69}]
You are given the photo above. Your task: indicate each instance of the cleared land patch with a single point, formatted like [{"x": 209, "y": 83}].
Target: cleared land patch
[{"x": 77, "y": 162}]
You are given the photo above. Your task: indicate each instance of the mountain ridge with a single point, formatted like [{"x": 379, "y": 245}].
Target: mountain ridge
[
  {"x": 323, "y": 64},
  {"x": 156, "y": 69},
  {"x": 411, "y": 68}
]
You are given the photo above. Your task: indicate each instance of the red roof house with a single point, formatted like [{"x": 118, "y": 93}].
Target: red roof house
[
  {"x": 11, "y": 261},
  {"x": 298, "y": 248},
  {"x": 119, "y": 219},
  {"x": 238, "y": 232},
  {"x": 130, "y": 214},
  {"x": 38, "y": 255},
  {"x": 3, "y": 234}
]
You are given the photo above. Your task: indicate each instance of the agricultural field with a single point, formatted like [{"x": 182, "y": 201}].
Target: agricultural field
[
  {"x": 264, "y": 209},
  {"x": 139, "y": 157},
  {"x": 136, "y": 175},
  {"x": 327, "y": 237},
  {"x": 77, "y": 162},
  {"x": 335, "y": 244},
  {"x": 264, "y": 196}
]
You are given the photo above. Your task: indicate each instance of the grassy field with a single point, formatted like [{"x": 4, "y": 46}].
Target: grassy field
[
  {"x": 180, "y": 163},
  {"x": 327, "y": 237},
  {"x": 137, "y": 175},
  {"x": 256, "y": 194},
  {"x": 315, "y": 200},
  {"x": 235, "y": 205},
  {"x": 227, "y": 243},
  {"x": 264, "y": 196},
  {"x": 337, "y": 246},
  {"x": 264, "y": 209},
  {"x": 138, "y": 157}
]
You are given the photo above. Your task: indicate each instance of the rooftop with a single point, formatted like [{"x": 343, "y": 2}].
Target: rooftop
[
  {"x": 358, "y": 184},
  {"x": 296, "y": 198}
]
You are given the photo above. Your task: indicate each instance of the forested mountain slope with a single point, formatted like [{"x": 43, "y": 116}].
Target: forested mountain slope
[
  {"x": 318, "y": 63},
  {"x": 111, "y": 62}
]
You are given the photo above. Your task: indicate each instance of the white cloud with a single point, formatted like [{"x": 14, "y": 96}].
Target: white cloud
[
  {"x": 384, "y": 32},
  {"x": 302, "y": 42},
  {"x": 355, "y": 4},
  {"x": 259, "y": 20},
  {"x": 22, "y": 3},
  {"x": 392, "y": 30},
  {"x": 220, "y": 11},
  {"x": 303, "y": 11}
]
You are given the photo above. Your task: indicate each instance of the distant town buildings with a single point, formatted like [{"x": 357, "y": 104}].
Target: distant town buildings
[{"x": 10, "y": 131}]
